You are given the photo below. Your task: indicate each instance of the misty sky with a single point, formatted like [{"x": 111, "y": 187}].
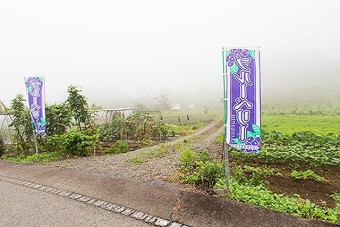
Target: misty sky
[{"x": 142, "y": 48}]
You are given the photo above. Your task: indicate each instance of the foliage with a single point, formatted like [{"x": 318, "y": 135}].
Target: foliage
[
  {"x": 41, "y": 157},
  {"x": 200, "y": 169},
  {"x": 188, "y": 158},
  {"x": 147, "y": 155},
  {"x": 336, "y": 197},
  {"x": 163, "y": 102},
  {"x": 76, "y": 143},
  {"x": 307, "y": 147},
  {"x": 289, "y": 124},
  {"x": 2, "y": 143},
  {"x": 308, "y": 174},
  {"x": 112, "y": 131},
  {"x": 77, "y": 103},
  {"x": 220, "y": 138},
  {"x": 138, "y": 127},
  {"x": 303, "y": 147},
  {"x": 259, "y": 195},
  {"x": 22, "y": 125},
  {"x": 58, "y": 119},
  {"x": 119, "y": 147},
  {"x": 135, "y": 160}
]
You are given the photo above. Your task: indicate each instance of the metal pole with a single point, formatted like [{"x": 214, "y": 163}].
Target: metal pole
[
  {"x": 226, "y": 154},
  {"x": 36, "y": 142}
]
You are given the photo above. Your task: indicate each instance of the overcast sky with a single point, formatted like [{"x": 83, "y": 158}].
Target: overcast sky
[{"x": 142, "y": 48}]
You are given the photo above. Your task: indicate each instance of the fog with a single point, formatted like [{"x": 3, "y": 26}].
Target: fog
[{"x": 123, "y": 52}]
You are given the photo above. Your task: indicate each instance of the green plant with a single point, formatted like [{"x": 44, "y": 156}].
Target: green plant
[
  {"x": 119, "y": 147},
  {"x": 200, "y": 169},
  {"x": 336, "y": 197},
  {"x": 41, "y": 157},
  {"x": 2, "y": 143},
  {"x": 22, "y": 126},
  {"x": 77, "y": 103},
  {"x": 259, "y": 195},
  {"x": 135, "y": 160},
  {"x": 58, "y": 119},
  {"x": 308, "y": 174},
  {"x": 188, "y": 157},
  {"x": 77, "y": 143}
]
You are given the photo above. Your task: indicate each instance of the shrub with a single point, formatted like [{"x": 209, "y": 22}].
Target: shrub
[
  {"x": 119, "y": 147},
  {"x": 77, "y": 143},
  {"x": 188, "y": 157},
  {"x": 2, "y": 144}
]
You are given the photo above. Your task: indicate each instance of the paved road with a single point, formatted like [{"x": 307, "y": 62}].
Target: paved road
[{"x": 22, "y": 206}]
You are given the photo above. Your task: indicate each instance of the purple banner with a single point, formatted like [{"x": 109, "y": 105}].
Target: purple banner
[
  {"x": 35, "y": 87},
  {"x": 242, "y": 98}
]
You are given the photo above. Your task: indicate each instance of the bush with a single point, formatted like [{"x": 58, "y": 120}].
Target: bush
[
  {"x": 199, "y": 169},
  {"x": 2, "y": 144},
  {"x": 119, "y": 147},
  {"x": 188, "y": 157},
  {"x": 77, "y": 143}
]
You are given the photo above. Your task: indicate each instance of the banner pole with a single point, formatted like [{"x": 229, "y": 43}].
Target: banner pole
[
  {"x": 35, "y": 142},
  {"x": 225, "y": 145}
]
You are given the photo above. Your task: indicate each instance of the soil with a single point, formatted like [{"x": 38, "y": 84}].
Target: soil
[{"x": 162, "y": 171}]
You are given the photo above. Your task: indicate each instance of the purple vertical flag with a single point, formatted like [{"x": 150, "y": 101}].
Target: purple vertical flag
[
  {"x": 35, "y": 87},
  {"x": 243, "y": 98}
]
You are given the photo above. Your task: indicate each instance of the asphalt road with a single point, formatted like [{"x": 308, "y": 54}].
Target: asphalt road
[{"x": 21, "y": 206}]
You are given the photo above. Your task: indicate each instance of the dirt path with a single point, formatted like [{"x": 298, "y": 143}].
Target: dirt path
[{"x": 154, "y": 170}]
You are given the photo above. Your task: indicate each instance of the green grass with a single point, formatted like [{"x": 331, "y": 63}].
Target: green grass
[
  {"x": 135, "y": 160},
  {"x": 288, "y": 124},
  {"x": 195, "y": 116},
  {"x": 147, "y": 155},
  {"x": 185, "y": 129},
  {"x": 42, "y": 157}
]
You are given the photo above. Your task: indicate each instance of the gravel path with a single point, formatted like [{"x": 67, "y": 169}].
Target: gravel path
[{"x": 154, "y": 170}]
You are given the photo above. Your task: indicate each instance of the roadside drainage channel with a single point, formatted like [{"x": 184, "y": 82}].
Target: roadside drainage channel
[{"x": 115, "y": 208}]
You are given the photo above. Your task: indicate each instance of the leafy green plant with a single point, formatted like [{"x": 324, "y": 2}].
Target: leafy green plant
[
  {"x": 188, "y": 157},
  {"x": 336, "y": 197},
  {"x": 135, "y": 160},
  {"x": 119, "y": 147},
  {"x": 77, "y": 103},
  {"x": 306, "y": 147},
  {"x": 200, "y": 169},
  {"x": 22, "y": 126},
  {"x": 41, "y": 157},
  {"x": 308, "y": 174},
  {"x": 2, "y": 143},
  {"x": 77, "y": 143},
  {"x": 259, "y": 195},
  {"x": 58, "y": 119}
]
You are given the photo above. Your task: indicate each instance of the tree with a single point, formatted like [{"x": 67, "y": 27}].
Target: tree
[
  {"x": 140, "y": 106},
  {"x": 206, "y": 109},
  {"x": 22, "y": 124},
  {"x": 58, "y": 119},
  {"x": 163, "y": 102},
  {"x": 77, "y": 103}
]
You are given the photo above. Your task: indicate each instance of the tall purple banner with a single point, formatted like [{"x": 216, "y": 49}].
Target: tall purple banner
[
  {"x": 242, "y": 87},
  {"x": 35, "y": 87}
]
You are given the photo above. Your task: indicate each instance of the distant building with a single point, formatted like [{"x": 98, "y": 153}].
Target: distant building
[
  {"x": 175, "y": 106},
  {"x": 191, "y": 106}
]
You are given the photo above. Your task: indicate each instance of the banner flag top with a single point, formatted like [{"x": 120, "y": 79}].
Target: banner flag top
[
  {"x": 35, "y": 87},
  {"x": 242, "y": 94}
]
